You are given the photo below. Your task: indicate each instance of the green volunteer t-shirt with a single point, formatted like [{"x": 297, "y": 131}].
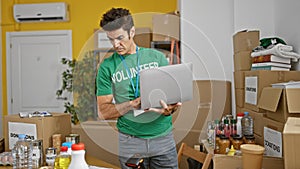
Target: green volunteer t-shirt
[{"x": 114, "y": 78}]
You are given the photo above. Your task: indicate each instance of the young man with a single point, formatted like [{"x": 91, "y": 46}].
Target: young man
[{"x": 149, "y": 134}]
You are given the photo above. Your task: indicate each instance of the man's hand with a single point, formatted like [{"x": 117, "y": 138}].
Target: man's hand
[
  {"x": 136, "y": 103},
  {"x": 166, "y": 110}
]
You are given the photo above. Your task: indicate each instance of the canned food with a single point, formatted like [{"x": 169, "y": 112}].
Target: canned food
[
  {"x": 50, "y": 156},
  {"x": 73, "y": 138}
]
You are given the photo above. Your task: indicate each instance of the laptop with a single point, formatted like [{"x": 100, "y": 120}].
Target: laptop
[{"x": 171, "y": 83}]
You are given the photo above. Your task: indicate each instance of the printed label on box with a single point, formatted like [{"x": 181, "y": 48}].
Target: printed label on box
[
  {"x": 273, "y": 142},
  {"x": 14, "y": 129},
  {"x": 251, "y": 90}
]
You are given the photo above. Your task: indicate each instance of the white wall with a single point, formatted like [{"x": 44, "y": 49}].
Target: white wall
[
  {"x": 287, "y": 25},
  {"x": 206, "y": 37},
  {"x": 254, "y": 15},
  {"x": 207, "y": 27}
]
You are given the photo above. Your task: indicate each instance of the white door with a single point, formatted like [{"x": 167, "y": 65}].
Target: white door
[{"x": 34, "y": 69}]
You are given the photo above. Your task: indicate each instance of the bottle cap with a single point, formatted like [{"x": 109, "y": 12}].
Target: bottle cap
[
  {"x": 233, "y": 121},
  {"x": 68, "y": 144},
  {"x": 240, "y": 114},
  {"x": 246, "y": 113},
  {"x": 79, "y": 146},
  {"x": 21, "y": 136},
  {"x": 222, "y": 136},
  {"x": 63, "y": 148}
]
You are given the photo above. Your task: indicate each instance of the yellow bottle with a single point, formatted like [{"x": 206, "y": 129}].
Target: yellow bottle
[
  {"x": 231, "y": 151},
  {"x": 63, "y": 160}
]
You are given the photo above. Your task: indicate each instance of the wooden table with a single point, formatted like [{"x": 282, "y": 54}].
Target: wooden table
[{"x": 90, "y": 160}]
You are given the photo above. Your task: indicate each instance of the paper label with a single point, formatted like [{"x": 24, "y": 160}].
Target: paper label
[
  {"x": 272, "y": 142},
  {"x": 15, "y": 128},
  {"x": 251, "y": 90}
]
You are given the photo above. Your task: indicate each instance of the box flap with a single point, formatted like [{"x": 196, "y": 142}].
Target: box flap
[
  {"x": 269, "y": 98},
  {"x": 293, "y": 97},
  {"x": 292, "y": 126}
]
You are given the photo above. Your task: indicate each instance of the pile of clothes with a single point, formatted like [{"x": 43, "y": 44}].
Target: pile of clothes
[{"x": 275, "y": 46}]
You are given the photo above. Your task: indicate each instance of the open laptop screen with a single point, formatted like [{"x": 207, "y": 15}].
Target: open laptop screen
[{"x": 172, "y": 84}]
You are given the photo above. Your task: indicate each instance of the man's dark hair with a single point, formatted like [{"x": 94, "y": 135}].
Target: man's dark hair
[{"x": 117, "y": 18}]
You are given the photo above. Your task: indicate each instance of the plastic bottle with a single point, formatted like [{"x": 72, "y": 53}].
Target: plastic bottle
[
  {"x": 247, "y": 124},
  {"x": 233, "y": 127},
  {"x": 226, "y": 128},
  {"x": 69, "y": 145},
  {"x": 63, "y": 160},
  {"x": 77, "y": 158},
  {"x": 22, "y": 153},
  {"x": 239, "y": 117},
  {"x": 211, "y": 134}
]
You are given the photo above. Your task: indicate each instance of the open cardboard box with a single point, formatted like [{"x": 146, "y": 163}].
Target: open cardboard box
[
  {"x": 256, "y": 81},
  {"x": 245, "y": 40},
  {"x": 280, "y": 103}
]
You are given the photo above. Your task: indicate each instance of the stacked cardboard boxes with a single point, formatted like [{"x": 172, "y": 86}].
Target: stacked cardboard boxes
[
  {"x": 269, "y": 107},
  {"x": 243, "y": 43}
]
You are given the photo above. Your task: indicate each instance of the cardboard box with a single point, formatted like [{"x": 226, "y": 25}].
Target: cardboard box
[
  {"x": 245, "y": 40},
  {"x": 280, "y": 103},
  {"x": 236, "y": 162},
  {"x": 143, "y": 37},
  {"x": 242, "y": 61},
  {"x": 239, "y": 97},
  {"x": 36, "y": 128},
  {"x": 239, "y": 79},
  {"x": 259, "y": 139},
  {"x": 291, "y": 139},
  {"x": 255, "y": 81},
  {"x": 211, "y": 100},
  {"x": 275, "y": 125},
  {"x": 165, "y": 27},
  {"x": 221, "y": 161},
  {"x": 217, "y": 93},
  {"x": 238, "y": 110},
  {"x": 100, "y": 139}
]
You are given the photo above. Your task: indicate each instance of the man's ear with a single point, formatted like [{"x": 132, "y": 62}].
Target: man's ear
[{"x": 132, "y": 32}]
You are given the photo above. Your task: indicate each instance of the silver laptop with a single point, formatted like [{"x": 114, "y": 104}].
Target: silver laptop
[{"x": 172, "y": 84}]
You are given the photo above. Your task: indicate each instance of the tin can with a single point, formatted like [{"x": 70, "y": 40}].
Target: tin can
[
  {"x": 37, "y": 153},
  {"x": 73, "y": 138},
  {"x": 50, "y": 156}
]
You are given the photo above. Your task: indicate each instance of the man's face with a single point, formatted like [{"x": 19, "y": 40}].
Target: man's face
[{"x": 121, "y": 41}]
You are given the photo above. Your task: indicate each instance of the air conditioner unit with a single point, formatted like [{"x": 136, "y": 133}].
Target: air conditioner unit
[{"x": 41, "y": 12}]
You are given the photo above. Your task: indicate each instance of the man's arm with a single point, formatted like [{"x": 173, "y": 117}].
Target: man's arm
[{"x": 107, "y": 110}]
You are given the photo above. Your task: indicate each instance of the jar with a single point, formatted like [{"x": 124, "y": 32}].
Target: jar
[
  {"x": 224, "y": 144},
  {"x": 249, "y": 139},
  {"x": 237, "y": 141},
  {"x": 216, "y": 150}
]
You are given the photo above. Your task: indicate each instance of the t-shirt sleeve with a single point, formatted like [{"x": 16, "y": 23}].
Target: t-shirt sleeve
[
  {"x": 163, "y": 59},
  {"x": 103, "y": 82}
]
